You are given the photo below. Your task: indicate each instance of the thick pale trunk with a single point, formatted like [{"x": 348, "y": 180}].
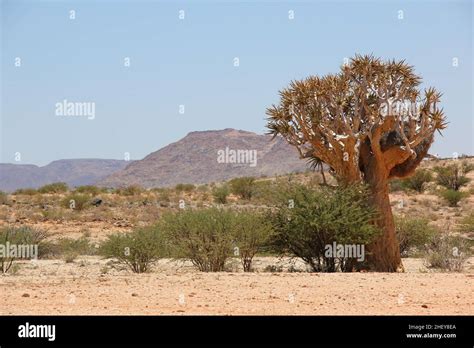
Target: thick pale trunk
[{"x": 384, "y": 251}]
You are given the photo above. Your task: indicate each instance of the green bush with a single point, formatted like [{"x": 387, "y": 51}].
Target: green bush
[
  {"x": 418, "y": 180},
  {"x": 413, "y": 233},
  {"x": 453, "y": 176},
  {"x": 273, "y": 192},
  {"x": 137, "y": 250},
  {"x": 89, "y": 189},
  {"x": 131, "y": 190},
  {"x": 312, "y": 220},
  {"x": 220, "y": 194},
  {"x": 57, "y": 187},
  {"x": 448, "y": 253},
  {"x": 203, "y": 188},
  {"x": 81, "y": 246},
  {"x": 243, "y": 187},
  {"x": 70, "y": 256},
  {"x": 26, "y": 191},
  {"x": 452, "y": 197},
  {"x": 251, "y": 233},
  {"x": 467, "y": 223},
  {"x": 202, "y": 236},
  {"x": 76, "y": 201},
  {"x": 184, "y": 187},
  {"x": 208, "y": 237},
  {"x": 264, "y": 191},
  {"x": 17, "y": 236},
  {"x": 67, "y": 248}
]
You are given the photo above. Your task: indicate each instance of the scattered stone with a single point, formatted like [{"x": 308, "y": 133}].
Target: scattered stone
[{"x": 96, "y": 202}]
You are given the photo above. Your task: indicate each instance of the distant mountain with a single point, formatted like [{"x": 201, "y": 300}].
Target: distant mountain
[
  {"x": 210, "y": 156},
  {"x": 74, "y": 172},
  {"x": 200, "y": 157}
]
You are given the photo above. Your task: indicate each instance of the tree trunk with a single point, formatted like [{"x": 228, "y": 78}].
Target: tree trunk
[
  {"x": 384, "y": 252},
  {"x": 321, "y": 167}
]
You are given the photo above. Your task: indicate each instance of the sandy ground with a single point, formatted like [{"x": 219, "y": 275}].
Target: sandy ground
[{"x": 52, "y": 287}]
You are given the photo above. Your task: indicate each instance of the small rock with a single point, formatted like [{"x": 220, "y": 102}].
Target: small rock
[
  {"x": 25, "y": 295},
  {"x": 134, "y": 294},
  {"x": 424, "y": 306},
  {"x": 96, "y": 202}
]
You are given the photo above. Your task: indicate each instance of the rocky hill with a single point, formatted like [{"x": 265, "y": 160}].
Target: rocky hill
[{"x": 210, "y": 156}]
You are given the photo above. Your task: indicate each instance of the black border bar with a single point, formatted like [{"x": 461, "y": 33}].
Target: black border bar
[{"x": 242, "y": 330}]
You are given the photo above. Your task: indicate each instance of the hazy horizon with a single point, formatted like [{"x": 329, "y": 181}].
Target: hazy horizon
[{"x": 151, "y": 74}]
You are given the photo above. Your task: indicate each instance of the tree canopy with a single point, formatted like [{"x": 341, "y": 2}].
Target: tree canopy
[{"x": 369, "y": 109}]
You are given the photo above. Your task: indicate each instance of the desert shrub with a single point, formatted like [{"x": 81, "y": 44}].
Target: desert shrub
[
  {"x": 26, "y": 191},
  {"x": 76, "y": 201},
  {"x": 453, "y": 176},
  {"x": 202, "y": 236},
  {"x": 57, "y": 187},
  {"x": 264, "y": 191},
  {"x": 251, "y": 232},
  {"x": 90, "y": 189},
  {"x": 164, "y": 198},
  {"x": 81, "y": 246},
  {"x": 131, "y": 190},
  {"x": 418, "y": 180},
  {"x": 220, "y": 194},
  {"x": 448, "y": 253},
  {"x": 467, "y": 223},
  {"x": 47, "y": 249},
  {"x": 4, "y": 198},
  {"x": 397, "y": 185},
  {"x": 274, "y": 192},
  {"x": 208, "y": 237},
  {"x": 137, "y": 250},
  {"x": 70, "y": 256},
  {"x": 17, "y": 237},
  {"x": 163, "y": 195},
  {"x": 203, "y": 188},
  {"x": 413, "y": 232},
  {"x": 452, "y": 197},
  {"x": 243, "y": 187},
  {"x": 67, "y": 248},
  {"x": 311, "y": 220},
  {"x": 56, "y": 214},
  {"x": 184, "y": 187}
]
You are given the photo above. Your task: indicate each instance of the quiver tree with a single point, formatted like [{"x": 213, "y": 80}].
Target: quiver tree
[{"x": 369, "y": 123}]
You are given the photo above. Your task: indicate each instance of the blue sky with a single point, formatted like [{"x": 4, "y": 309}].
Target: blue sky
[{"x": 190, "y": 62}]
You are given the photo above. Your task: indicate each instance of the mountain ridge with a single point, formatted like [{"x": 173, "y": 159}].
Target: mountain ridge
[
  {"x": 74, "y": 172},
  {"x": 192, "y": 159}
]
